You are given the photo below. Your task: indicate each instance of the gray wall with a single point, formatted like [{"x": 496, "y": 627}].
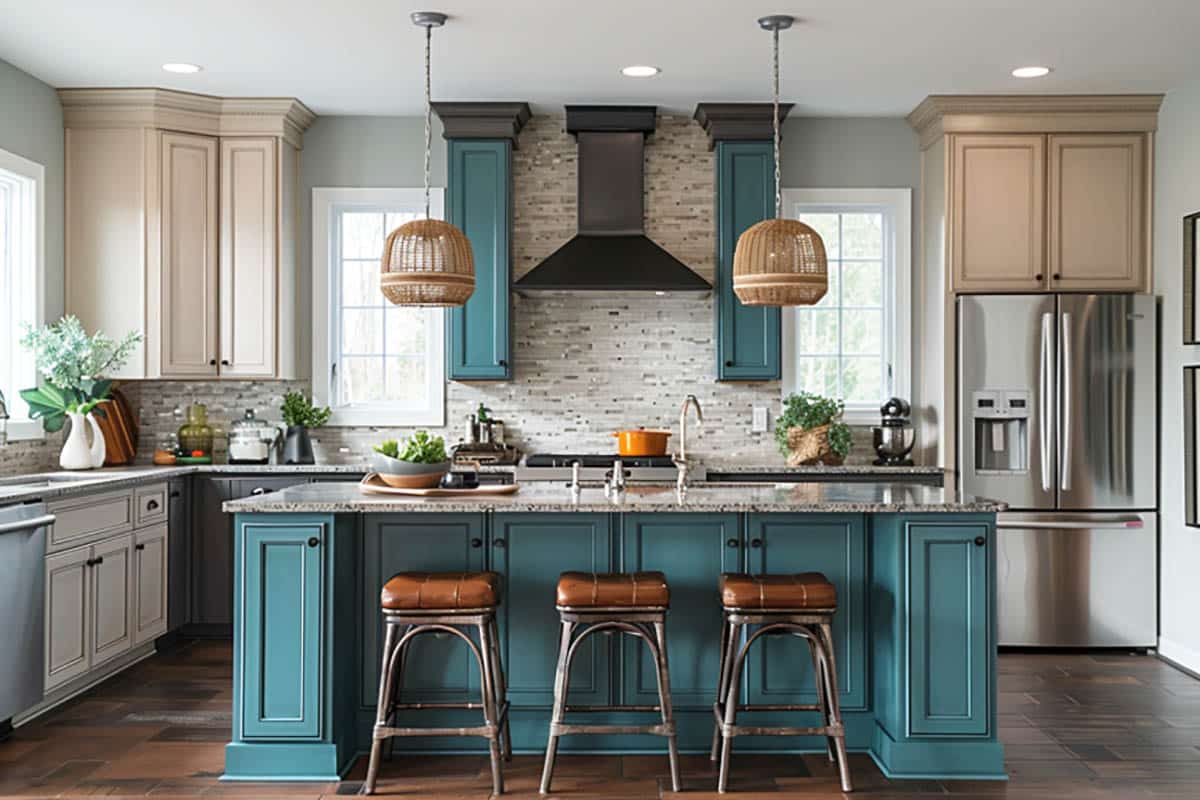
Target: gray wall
[
  {"x": 850, "y": 153},
  {"x": 31, "y": 125},
  {"x": 1176, "y": 194}
]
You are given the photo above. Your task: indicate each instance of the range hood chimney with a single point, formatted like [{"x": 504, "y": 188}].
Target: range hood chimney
[{"x": 611, "y": 251}]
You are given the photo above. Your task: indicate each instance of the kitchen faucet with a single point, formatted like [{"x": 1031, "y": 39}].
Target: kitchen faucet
[{"x": 681, "y": 460}]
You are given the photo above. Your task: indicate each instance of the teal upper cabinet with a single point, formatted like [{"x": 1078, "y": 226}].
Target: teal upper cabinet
[
  {"x": 279, "y": 629},
  {"x": 748, "y": 337},
  {"x": 481, "y": 138}
]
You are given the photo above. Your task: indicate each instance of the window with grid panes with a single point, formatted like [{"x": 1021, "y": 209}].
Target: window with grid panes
[{"x": 21, "y": 231}]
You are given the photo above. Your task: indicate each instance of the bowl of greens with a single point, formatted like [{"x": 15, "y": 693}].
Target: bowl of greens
[{"x": 419, "y": 462}]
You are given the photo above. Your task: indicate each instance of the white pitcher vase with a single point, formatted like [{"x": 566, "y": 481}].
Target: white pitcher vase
[{"x": 77, "y": 451}]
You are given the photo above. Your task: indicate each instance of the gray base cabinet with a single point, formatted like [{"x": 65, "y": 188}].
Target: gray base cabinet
[
  {"x": 68, "y": 621},
  {"x": 150, "y": 584}
]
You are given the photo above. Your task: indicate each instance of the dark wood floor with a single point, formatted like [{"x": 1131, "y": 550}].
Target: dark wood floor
[{"x": 1075, "y": 727}]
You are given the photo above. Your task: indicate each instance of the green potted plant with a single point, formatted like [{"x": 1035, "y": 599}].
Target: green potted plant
[
  {"x": 300, "y": 416},
  {"x": 72, "y": 366},
  {"x": 420, "y": 463},
  {"x": 811, "y": 431}
]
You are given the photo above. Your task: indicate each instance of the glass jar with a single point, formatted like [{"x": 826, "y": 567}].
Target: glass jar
[
  {"x": 166, "y": 450},
  {"x": 196, "y": 436},
  {"x": 251, "y": 440}
]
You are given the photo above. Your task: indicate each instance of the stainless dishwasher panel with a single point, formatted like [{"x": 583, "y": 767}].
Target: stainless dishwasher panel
[
  {"x": 1077, "y": 580},
  {"x": 22, "y": 598}
]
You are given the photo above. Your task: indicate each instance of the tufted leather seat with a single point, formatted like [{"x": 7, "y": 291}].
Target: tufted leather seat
[
  {"x": 807, "y": 590},
  {"x": 440, "y": 590},
  {"x": 613, "y": 590}
]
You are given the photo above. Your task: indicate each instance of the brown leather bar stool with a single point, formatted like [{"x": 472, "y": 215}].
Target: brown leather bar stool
[
  {"x": 631, "y": 603},
  {"x": 415, "y": 603},
  {"x": 802, "y": 605}
]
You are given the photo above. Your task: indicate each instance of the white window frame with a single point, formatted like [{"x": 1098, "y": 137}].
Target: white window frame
[
  {"x": 32, "y": 289},
  {"x": 896, "y": 206},
  {"x": 328, "y": 202}
]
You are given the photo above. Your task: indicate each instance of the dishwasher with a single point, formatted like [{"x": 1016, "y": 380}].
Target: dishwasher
[{"x": 22, "y": 597}]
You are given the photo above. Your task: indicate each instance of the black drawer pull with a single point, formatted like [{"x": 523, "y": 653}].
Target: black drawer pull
[
  {"x": 259, "y": 490},
  {"x": 176, "y": 493},
  {"x": 500, "y": 543},
  {"x": 733, "y": 543},
  {"x": 140, "y": 546},
  {"x": 151, "y": 505},
  {"x": 980, "y": 541},
  {"x": 756, "y": 543},
  {"x": 476, "y": 543},
  {"x": 97, "y": 561},
  {"x": 91, "y": 562},
  {"x": 313, "y": 541}
]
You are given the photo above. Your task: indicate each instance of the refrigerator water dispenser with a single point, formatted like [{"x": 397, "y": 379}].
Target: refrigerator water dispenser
[{"x": 1001, "y": 430}]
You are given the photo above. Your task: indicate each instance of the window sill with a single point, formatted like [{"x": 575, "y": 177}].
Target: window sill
[{"x": 25, "y": 431}]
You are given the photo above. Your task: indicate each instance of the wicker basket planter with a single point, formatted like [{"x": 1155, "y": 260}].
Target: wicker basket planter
[{"x": 807, "y": 446}]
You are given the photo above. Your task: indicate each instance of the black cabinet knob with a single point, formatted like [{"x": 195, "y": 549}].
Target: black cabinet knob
[
  {"x": 176, "y": 493},
  {"x": 212, "y": 362},
  {"x": 1038, "y": 277},
  {"x": 97, "y": 561},
  {"x": 1057, "y": 276},
  {"x": 91, "y": 562},
  {"x": 500, "y": 543},
  {"x": 225, "y": 362},
  {"x": 729, "y": 363},
  {"x": 732, "y": 543},
  {"x": 141, "y": 546},
  {"x": 980, "y": 541},
  {"x": 756, "y": 543},
  {"x": 313, "y": 541},
  {"x": 502, "y": 362},
  {"x": 476, "y": 543}
]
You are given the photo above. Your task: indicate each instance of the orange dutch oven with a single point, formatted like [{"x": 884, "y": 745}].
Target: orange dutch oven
[{"x": 642, "y": 442}]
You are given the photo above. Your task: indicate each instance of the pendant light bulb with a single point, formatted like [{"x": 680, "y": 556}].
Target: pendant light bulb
[
  {"x": 427, "y": 262},
  {"x": 779, "y": 262}
]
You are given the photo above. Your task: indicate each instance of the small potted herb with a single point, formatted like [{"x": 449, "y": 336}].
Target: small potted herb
[
  {"x": 300, "y": 416},
  {"x": 811, "y": 431},
  {"x": 419, "y": 463}
]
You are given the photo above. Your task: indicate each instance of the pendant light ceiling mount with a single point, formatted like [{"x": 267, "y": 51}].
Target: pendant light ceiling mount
[
  {"x": 779, "y": 262},
  {"x": 427, "y": 262}
]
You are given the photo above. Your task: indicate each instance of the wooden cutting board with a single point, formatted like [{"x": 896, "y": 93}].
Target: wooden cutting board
[
  {"x": 120, "y": 430},
  {"x": 372, "y": 484}
]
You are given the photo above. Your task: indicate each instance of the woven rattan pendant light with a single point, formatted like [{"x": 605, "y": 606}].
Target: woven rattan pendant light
[
  {"x": 427, "y": 262},
  {"x": 779, "y": 262}
]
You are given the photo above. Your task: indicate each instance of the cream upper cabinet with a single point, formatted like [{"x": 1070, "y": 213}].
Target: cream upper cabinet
[
  {"x": 189, "y": 304},
  {"x": 181, "y": 224},
  {"x": 1097, "y": 212},
  {"x": 250, "y": 200},
  {"x": 997, "y": 213}
]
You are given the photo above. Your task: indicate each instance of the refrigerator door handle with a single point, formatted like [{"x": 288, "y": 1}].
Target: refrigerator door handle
[
  {"x": 1064, "y": 433},
  {"x": 1124, "y": 524},
  {"x": 1044, "y": 398}
]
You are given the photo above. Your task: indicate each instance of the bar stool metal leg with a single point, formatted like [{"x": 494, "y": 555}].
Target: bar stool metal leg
[
  {"x": 821, "y": 689},
  {"x": 561, "y": 686},
  {"x": 382, "y": 710},
  {"x": 722, "y": 688},
  {"x": 832, "y": 706},
  {"x": 664, "y": 701},
  {"x": 490, "y": 712},
  {"x": 501, "y": 690},
  {"x": 737, "y": 660}
]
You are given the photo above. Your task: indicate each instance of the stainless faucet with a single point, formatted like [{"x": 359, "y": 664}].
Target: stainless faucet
[{"x": 681, "y": 460}]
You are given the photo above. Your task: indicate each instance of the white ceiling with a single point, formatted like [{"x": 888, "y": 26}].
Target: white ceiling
[{"x": 848, "y": 57}]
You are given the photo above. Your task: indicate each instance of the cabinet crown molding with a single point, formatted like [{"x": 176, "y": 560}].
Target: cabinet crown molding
[
  {"x": 187, "y": 112},
  {"x": 482, "y": 120},
  {"x": 941, "y": 114},
  {"x": 738, "y": 122}
]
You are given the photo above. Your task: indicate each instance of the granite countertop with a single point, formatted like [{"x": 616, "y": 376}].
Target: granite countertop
[
  {"x": 821, "y": 469},
  {"x": 332, "y": 498}
]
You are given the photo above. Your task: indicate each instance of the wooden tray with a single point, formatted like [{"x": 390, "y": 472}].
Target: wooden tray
[{"x": 371, "y": 484}]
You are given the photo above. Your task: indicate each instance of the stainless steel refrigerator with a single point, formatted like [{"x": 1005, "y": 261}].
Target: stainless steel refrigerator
[{"x": 1058, "y": 399}]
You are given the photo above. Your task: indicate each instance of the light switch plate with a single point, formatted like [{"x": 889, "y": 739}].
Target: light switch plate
[{"x": 759, "y": 421}]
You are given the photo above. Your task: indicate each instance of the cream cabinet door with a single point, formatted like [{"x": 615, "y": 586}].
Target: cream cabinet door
[
  {"x": 149, "y": 583},
  {"x": 1098, "y": 212},
  {"x": 111, "y": 585},
  {"x": 997, "y": 213},
  {"x": 68, "y": 618},
  {"x": 249, "y": 257},
  {"x": 189, "y": 304}
]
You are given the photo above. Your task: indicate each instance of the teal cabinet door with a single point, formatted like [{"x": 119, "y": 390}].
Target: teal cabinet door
[
  {"x": 779, "y": 668},
  {"x": 692, "y": 550},
  {"x": 529, "y": 551},
  {"x": 439, "y": 669},
  {"x": 478, "y": 204},
  {"x": 748, "y": 337},
  {"x": 279, "y": 629},
  {"x": 950, "y": 638}
]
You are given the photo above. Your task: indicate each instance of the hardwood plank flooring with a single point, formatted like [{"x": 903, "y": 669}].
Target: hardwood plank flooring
[{"x": 1075, "y": 727}]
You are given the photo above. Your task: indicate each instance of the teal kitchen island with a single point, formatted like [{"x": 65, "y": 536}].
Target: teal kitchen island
[{"x": 915, "y": 631}]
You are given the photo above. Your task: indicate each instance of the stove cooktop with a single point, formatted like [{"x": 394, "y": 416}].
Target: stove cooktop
[{"x": 554, "y": 460}]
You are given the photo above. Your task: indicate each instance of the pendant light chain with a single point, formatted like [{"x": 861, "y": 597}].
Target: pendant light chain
[
  {"x": 428, "y": 115},
  {"x": 775, "y": 126}
]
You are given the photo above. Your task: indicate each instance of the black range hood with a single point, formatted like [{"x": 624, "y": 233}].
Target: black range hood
[{"x": 611, "y": 252}]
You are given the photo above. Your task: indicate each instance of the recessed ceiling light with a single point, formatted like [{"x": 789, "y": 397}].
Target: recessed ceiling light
[
  {"x": 1030, "y": 72},
  {"x": 640, "y": 71},
  {"x": 183, "y": 69}
]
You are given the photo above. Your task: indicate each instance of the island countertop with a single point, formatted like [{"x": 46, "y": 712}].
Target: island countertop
[{"x": 345, "y": 498}]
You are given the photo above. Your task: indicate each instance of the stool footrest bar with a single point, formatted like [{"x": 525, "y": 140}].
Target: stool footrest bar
[
  {"x": 486, "y": 731},
  {"x": 567, "y": 729},
  {"x": 577, "y": 709}
]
